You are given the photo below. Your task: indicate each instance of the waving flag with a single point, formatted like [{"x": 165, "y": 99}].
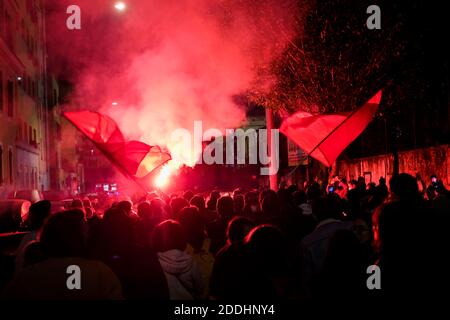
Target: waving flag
[
  {"x": 135, "y": 159},
  {"x": 324, "y": 137}
]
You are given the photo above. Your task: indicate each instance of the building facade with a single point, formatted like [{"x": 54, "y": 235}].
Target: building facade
[{"x": 24, "y": 116}]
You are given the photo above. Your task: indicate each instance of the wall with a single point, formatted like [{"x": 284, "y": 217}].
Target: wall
[{"x": 428, "y": 161}]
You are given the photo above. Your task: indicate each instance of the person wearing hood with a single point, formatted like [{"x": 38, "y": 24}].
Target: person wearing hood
[{"x": 183, "y": 275}]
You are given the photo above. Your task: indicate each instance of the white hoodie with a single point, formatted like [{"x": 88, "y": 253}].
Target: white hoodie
[{"x": 183, "y": 276}]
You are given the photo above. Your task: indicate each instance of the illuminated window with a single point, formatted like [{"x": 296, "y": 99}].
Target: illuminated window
[
  {"x": 11, "y": 180},
  {"x": 1, "y": 165},
  {"x": 1, "y": 90},
  {"x": 10, "y": 99}
]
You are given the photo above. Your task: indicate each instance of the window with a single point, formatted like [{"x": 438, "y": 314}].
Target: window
[
  {"x": 58, "y": 132},
  {"x": 11, "y": 180},
  {"x": 10, "y": 98},
  {"x": 55, "y": 97},
  {"x": 8, "y": 30},
  {"x": 33, "y": 182},
  {"x": 34, "y": 136},
  {"x": 25, "y": 132},
  {"x": 2, "y": 19},
  {"x": 21, "y": 131},
  {"x": 30, "y": 136},
  {"x": 1, "y": 91},
  {"x": 1, "y": 165},
  {"x": 27, "y": 84}
]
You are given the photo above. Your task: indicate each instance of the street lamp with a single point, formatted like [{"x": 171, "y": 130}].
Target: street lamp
[
  {"x": 115, "y": 104},
  {"x": 120, "y": 6}
]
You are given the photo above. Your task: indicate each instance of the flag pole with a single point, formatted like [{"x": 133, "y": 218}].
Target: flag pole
[{"x": 273, "y": 178}]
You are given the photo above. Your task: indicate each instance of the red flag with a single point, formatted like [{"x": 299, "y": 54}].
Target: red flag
[
  {"x": 134, "y": 158},
  {"x": 324, "y": 137}
]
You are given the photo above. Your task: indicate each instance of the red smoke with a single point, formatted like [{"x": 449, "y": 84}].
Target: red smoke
[{"x": 166, "y": 63}]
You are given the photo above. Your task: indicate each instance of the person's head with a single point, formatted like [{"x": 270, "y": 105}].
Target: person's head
[
  {"x": 238, "y": 203},
  {"x": 433, "y": 178},
  {"x": 125, "y": 206},
  {"x": 168, "y": 235},
  {"x": 117, "y": 231},
  {"x": 225, "y": 207},
  {"x": 114, "y": 204},
  {"x": 264, "y": 194},
  {"x": 64, "y": 234},
  {"x": 267, "y": 246},
  {"x": 352, "y": 184},
  {"x": 188, "y": 195},
  {"x": 150, "y": 196},
  {"x": 362, "y": 228},
  {"x": 87, "y": 203},
  {"x": 313, "y": 192},
  {"x": 115, "y": 218},
  {"x": 431, "y": 192},
  {"x": 143, "y": 210},
  {"x": 176, "y": 204},
  {"x": 192, "y": 223},
  {"x": 214, "y": 195},
  {"x": 38, "y": 213},
  {"x": 164, "y": 197},
  {"x": 284, "y": 197},
  {"x": 391, "y": 228},
  {"x": 291, "y": 189},
  {"x": 371, "y": 187},
  {"x": 198, "y": 202},
  {"x": 441, "y": 189},
  {"x": 158, "y": 209},
  {"x": 251, "y": 198},
  {"x": 237, "y": 191},
  {"x": 270, "y": 205},
  {"x": 404, "y": 187},
  {"x": 77, "y": 204},
  {"x": 327, "y": 207},
  {"x": 361, "y": 184},
  {"x": 212, "y": 202},
  {"x": 299, "y": 197},
  {"x": 265, "y": 238},
  {"x": 238, "y": 228}
]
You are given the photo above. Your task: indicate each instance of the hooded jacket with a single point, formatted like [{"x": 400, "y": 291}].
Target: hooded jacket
[{"x": 183, "y": 275}]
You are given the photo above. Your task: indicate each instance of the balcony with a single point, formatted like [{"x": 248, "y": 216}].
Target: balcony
[{"x": 34, "y": 144}]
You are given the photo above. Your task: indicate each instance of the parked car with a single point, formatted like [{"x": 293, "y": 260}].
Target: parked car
[
  {"x": 12, "y": 213},
  {"x": 55, "y": 195},
  {"x": 32, "y": 195},
  {"x": 59, "y": 199}
]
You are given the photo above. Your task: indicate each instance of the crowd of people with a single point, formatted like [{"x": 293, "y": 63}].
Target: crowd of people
[{"x": 309, "y": 243}]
